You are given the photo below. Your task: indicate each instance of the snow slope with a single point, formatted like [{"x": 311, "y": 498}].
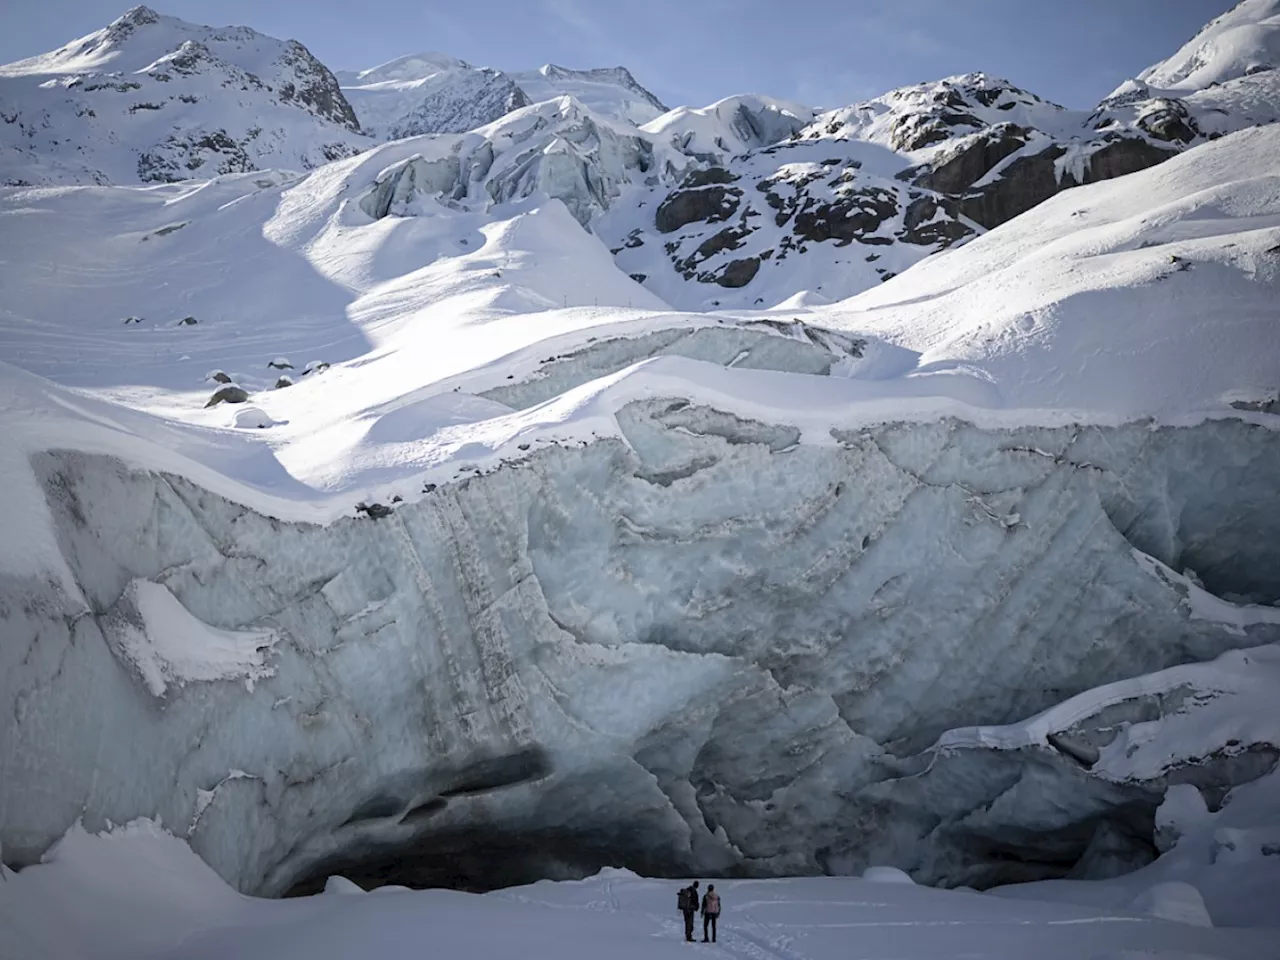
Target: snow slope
[
  {"x": 134, "y": 893},
  {"x": 1243, "y": 41},
  {"x": 156, "y": 99},
  {"x": 1096, "y": 298}
]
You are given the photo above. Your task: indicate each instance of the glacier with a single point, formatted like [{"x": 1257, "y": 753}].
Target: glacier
[{"x": 704, "y": 645}]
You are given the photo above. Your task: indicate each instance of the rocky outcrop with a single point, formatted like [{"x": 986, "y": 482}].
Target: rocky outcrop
[
  {"x": 308, "y": 82},
  {"x": 1119, "y": 157},
  {"x": 1170, "y": 121},
  {"x": 738, "y": 273},
  {"x": 853, "y": 216},
  {"x": 973, "y": 158},
  {"x": 713, "y": 203},
  {"x": 1025, "y": 183}
]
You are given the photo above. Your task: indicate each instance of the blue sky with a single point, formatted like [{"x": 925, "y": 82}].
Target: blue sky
[{"x": 820, "y": 52}]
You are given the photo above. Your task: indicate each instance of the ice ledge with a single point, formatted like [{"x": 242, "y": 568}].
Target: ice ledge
[{"x": 150, "y": 629}]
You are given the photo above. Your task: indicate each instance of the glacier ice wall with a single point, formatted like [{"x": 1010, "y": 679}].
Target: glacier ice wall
[{"x": 704, "y": 646}]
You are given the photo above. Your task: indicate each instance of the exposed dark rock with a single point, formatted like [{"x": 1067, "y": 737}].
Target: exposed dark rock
[
  {"x": 730, "y": 238},
  {"x": 922, "y": 226},
  {"x": 228, "y": 394},
  {"x": 708, "y": 177},
  {"x": 916, "y": 130},
  {"x": 1267, "y": 405},
  {"x": 374, "y": 511},
  {"x": 283, "y": 382},
  {"x": 317, "y": 89},
  {"x": 1171, "y": 121},
  {"x": 1025, "y": 183},
  {"x": 683, "y": 207},
  {"x": 1122, "y": 157},
  {"x": 973, "y": 160},
  {"x": 739, "y": 273},
  {"x": 849, "y": 218}
]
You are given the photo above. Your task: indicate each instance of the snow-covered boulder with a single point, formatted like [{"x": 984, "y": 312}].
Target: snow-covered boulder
[
  {"x": 886, "y": 875},
  {"x": 341, "y": 886},
  {"x": 253, "y": 418},
  {"x": 1174, "y": 901}
]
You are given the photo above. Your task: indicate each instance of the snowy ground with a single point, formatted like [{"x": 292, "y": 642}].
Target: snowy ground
[{"x": 140, "y": 894}]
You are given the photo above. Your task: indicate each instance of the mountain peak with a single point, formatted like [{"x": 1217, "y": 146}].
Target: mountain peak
[
  {"x": 138, "y": 16},
  {"x": 619, "y": 76},
  {"x": 155, "y": 98},
  {"x": 1243, "y": 41},
  {"x": 408, "y": 68}
]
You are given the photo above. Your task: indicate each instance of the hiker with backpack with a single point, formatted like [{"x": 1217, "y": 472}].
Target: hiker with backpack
[
  {"x": 687, "y": 904},
  {"x": 710, "y": 912}
]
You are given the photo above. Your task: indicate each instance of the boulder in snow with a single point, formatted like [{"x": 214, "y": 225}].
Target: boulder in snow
[{"x": 231, "y": 393}]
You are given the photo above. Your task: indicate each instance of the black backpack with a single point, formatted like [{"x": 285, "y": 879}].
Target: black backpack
[{"x": 683, "y": 899}]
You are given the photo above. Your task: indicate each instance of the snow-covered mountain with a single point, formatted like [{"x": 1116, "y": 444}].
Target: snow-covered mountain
[
  {"x": 429, "y": 93},
  {"x": 436, "y": 93},
  {"x": 967, "y": 154},
  {"x": 751, "y": 202},
  {"x": 380, "y": 520},
  {"x": 1243, "y": 42},
  {"x": 609, "y": 91},
  {"x": 155, "y": 99}
]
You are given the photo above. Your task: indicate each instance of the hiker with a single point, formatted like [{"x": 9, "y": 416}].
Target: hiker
[
  {"x": 710, "y": 912},
  {"x": 687, "y": 902}
]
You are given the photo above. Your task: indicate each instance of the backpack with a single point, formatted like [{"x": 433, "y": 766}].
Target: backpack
[{"x": 682, "y": 900}]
